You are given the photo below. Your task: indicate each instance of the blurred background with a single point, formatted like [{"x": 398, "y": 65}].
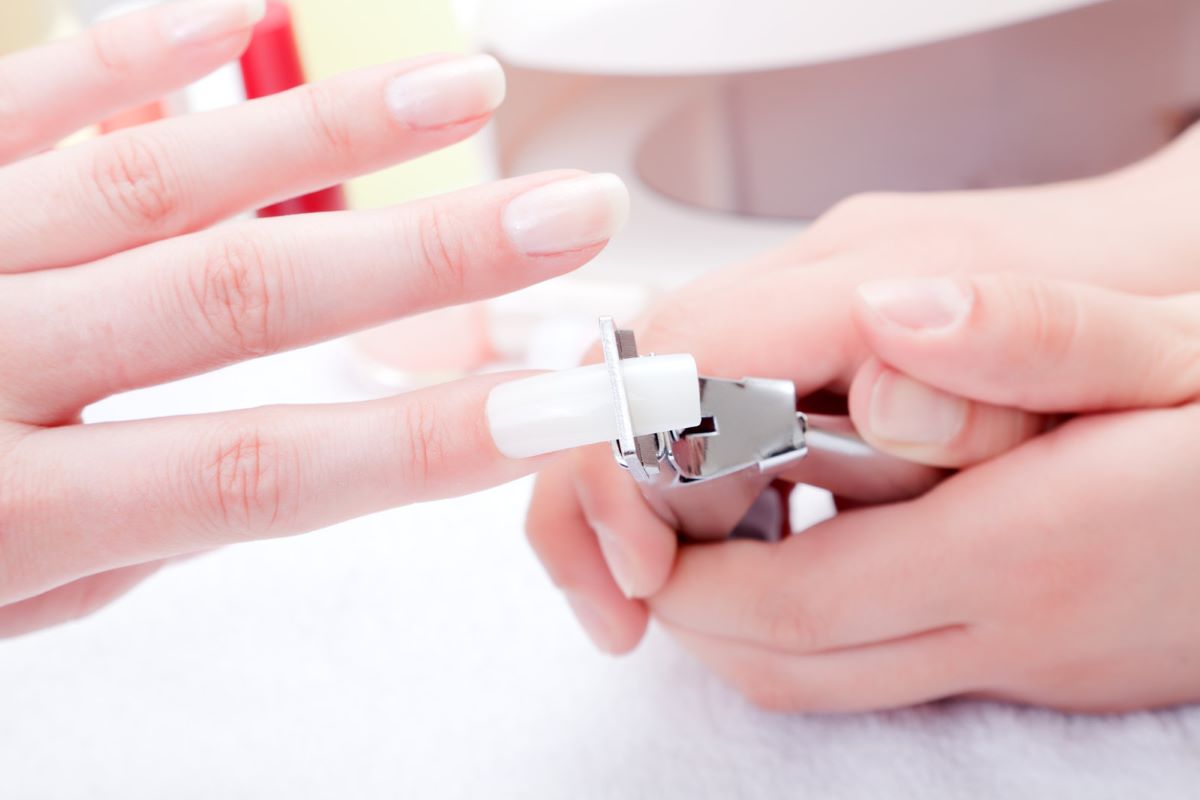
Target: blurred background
[{"x": 421, "y": 652}]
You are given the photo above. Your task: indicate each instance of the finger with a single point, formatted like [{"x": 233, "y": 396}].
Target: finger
[
  {"x": 638, "y": 546},
  {"x": 913, "y": 670},
  {"x": 865, "y": 576},
  {"x": 905, "y": 417},
  {"x": 237, "y": 292},
  {"x": 571, "y": 555},
  {"x": 789, "y": 323},
  {"x": 98, "y": 497},
  {"x": 839, "y": 461},
  {"x": 53, "y": 90},
  {"x": 1038, "y": 345},
  {"x": 73, "y": 601},
  {"x": 186, "y": 173}
]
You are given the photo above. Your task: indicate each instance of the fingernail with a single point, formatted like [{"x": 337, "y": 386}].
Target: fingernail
[
  {"x": 447, "y": 92},
  {"x": 574, "y": 407},
  {"x": 905, "y": 411},
  {"x": 567, "y": 215},
  {"x": 595, "y": 625},
  {"x": 927, "y": 304},
  {"x": 619, "y": 559},
  {"x": 208, "y": 21}
]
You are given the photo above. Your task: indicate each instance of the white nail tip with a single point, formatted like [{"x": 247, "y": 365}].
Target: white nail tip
[{"x": 573, "y": 408}]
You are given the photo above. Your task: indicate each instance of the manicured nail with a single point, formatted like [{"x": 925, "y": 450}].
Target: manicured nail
[
  {"x": 447, "y": 92},
  {"x": 904, "y": 411},
  {"x": 619, "y": 559},
  {"x": 208, "y": 21},
  {"x": 567, "y": 215},
  {"x": 594, "y": 623},
  {"x": 927, "y": 304},
  {"x": 574, "y": 407}
]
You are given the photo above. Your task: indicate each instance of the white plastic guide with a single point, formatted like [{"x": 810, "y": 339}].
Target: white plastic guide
[{"x": 573, "y": 408}]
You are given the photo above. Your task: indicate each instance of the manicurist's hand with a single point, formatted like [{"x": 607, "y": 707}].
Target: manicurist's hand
[
  {"x": 111, "y": 278},
  {"x": 1061, "y": 572},
  {"x": 808, "y": 313}
]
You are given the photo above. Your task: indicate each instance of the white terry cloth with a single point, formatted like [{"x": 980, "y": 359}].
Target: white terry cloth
[{"x": 421, "y": 653}]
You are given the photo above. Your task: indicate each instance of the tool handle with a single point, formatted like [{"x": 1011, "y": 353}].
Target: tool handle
[{"x": 743, "y": 504}]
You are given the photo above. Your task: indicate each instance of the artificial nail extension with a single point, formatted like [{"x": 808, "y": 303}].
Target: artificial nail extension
[{"x": 573, "y": 408}]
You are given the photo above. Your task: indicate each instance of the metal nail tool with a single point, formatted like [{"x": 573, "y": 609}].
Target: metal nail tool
[{"x": 713, "y": 481}]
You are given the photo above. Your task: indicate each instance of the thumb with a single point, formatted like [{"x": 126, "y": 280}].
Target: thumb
[{"x": 977, "y": 354}]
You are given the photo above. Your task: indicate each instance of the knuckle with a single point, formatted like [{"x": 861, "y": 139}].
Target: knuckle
[
  {"x": 441, "y": 250},
  {"x": 136, "y": 183},
  {"x": 109, "y": 51},
  {"x": 422, "y": 440},
  {"x": 247, "y": 482},
  {"x": 237, "y": 297},
  {"x": 328, "y": 119}
]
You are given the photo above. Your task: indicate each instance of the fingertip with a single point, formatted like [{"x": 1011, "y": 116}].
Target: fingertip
[
  {"x": 904, "y": 417},
  {"x": 448, "y": 91},
  {"x": 567, "y": 215},
  {"x": 616, "y": 627}
]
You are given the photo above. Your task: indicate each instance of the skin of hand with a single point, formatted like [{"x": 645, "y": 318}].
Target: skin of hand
[
  {"x": 1023, "y": 520},
  {"x": 111, "y": 278}
]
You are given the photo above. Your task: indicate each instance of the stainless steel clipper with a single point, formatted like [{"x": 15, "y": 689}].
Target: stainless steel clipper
[{"x": 713, "y": 481}]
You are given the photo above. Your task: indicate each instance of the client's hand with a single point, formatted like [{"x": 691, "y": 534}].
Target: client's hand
[{"x": 108, "y": 281}]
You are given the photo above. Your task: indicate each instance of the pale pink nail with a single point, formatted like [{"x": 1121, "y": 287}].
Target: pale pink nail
[
  {"x": 567, "y": 215},
  {"x": 905, "y": 411},
  {"x": 447, "y": 92},
  {"x": 207, "y": 21},
  {"x": 927, "y": 304}
]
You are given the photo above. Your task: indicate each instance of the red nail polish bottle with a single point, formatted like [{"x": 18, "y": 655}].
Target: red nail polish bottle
[{"x": 271, "y": 64}]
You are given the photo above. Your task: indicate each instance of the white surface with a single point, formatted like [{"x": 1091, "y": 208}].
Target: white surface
[
  {"x": 574, "y": 407},
  {"x": 421, "y": 653},
  {"x": 690, "y": 37},
  {"x": 665, "y": 244}
]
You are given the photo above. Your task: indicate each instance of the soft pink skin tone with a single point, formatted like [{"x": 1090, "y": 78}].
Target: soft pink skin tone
[
  {"x": 111, "y": 279},
  {"x": 1057, "y": 568}
]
